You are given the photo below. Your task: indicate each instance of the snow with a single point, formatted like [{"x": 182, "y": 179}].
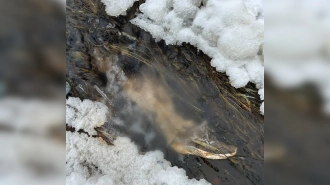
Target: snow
[
  {"x": 241, "y": 42},
  {"x": 116, "y": 8},
  {"x": 156, "y": 11},
  {"x": 90, "y": 160},
  {"x": 34, "y": 115},
  {"x": 229, "y": 31},
  {"x": 31, "y": 152},
  {"x": 22, "y": 156},
  {"x": 261, "y": 93},
  {"x": 118, "y": 164},
  {"x": 262, "y": 108},
  {"x": 85, "y": 114},
  {"x": 291, "y": 60}
]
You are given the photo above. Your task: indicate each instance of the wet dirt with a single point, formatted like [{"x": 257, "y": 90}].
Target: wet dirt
[{"x": 95, "y": 39}]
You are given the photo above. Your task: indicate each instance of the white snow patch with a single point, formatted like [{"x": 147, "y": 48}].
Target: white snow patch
[
  {"x": 291, "y": 60},
  {"x": 35, "y": 115},
  {"x": 262, "y": 96},
  {"x": 229, "y": 31},
  {"x": 117, "y": 7},
  {"x": 91, "y": 161},
  {"x": 118, "y": 164},
  {"x": 85, "y": 114},
  {"x": 30, "y": 154},
  {"x": 262, "y": 108}
]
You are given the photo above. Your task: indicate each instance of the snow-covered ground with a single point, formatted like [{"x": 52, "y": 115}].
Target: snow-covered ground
[
  {"x": 85, "y": 114},
  {"x": 231, "y": 32},
  {"x": 92, "y": 161},
  {"x": 31, "y": 151}
]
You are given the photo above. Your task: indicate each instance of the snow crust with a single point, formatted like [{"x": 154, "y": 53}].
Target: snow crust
[
  {"x": 90, "y": 160},
  {"x": 85, "y": 114},
  {"x": 229, "y": 31}
]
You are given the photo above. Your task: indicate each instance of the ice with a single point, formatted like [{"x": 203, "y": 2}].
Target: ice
[{"x": 229, "y": 31}]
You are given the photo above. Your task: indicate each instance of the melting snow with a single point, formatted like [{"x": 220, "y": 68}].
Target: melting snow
[{"x": 229, "y": 31}]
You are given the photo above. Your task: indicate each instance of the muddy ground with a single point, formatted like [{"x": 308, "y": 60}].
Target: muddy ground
[{"x": 232, "y": 113}]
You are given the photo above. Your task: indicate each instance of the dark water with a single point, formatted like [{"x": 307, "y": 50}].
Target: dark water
[{"x": 199, "y": 92}]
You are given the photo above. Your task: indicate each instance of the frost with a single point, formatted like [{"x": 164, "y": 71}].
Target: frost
[
  {"x": 85, "y": 114},
  {"x": 291, "y": 60},
  {"x": 31, "y": 151},
  {"x": 34, "y": 115},
  {"x": 118, "y": 164},
  {"x": 241, "y": 42},
  {"x": 90, "y": 160},
  {"x": 229, "y": 31},
  {"x": 116, "y": 8}
]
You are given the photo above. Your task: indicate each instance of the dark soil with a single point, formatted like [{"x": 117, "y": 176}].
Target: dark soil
[{"x": 232, "y": 113}]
